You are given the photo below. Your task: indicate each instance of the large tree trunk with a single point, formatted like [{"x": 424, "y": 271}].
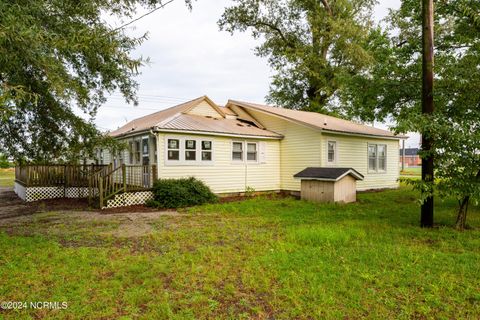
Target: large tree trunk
[
  {"x": 462, "y": 213},
  {"x": 426, "y": 220}
]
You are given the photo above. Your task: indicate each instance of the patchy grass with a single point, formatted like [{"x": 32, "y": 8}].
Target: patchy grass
[
  {"x": 282, "y": 259},
  {"x": 7, "y": 177},
  {"x": 414, "y": 171}
]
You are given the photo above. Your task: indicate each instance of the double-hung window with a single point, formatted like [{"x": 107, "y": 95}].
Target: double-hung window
[
  {"x": 331, "y": 152},
  {"x": 252, "y": 151},
  {"x": 188, "y": 151},
  {"x": 377, "y": 157},
  {"x": 173, "y": 149},
  {"x": 206, "y": 150},
  {"x": 237, "y": 151},
  {"x": 245, "y": 151}
]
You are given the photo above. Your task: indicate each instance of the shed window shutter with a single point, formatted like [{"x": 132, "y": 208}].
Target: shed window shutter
[{"x": 263, "y": 152}]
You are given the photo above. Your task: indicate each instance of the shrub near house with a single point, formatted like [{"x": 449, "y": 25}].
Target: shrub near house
[{"x": 178, "y": 193}]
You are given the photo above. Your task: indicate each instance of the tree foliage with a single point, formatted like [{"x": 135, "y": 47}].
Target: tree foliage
[
  {"x": 56, "y": 55},
  {"x": 311, "y": 45},
  {"x": 392, "y": 89}
]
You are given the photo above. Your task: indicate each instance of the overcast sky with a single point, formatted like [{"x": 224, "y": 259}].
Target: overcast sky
[{"x": 190, "y": 57}]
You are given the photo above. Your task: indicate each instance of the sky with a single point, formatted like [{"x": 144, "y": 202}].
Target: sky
[{"x": 190, "y": 57}]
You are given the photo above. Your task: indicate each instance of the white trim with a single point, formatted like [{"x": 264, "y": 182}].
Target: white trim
[
  {"x": 208, "y": 133},
  {"x": 181, "y": 149},
  {"x": 236, "y": 161},
  {"x": 377, "y": 170},
  {"x": 257, "y": 147},
  {"x": 245, "y": 152},
  {"x": 335, "y": 153}
]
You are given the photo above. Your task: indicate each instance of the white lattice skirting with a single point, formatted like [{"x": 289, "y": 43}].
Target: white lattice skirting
[
  {"x": 31, "y": 194},
  {"x": 129, "y": 199}
]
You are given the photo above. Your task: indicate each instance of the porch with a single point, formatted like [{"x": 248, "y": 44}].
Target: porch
[{"x": 104, "y": 186}]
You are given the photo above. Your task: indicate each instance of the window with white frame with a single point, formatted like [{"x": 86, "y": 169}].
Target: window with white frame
[
  {"x": 252, "y": 151},
  {"x": 377, "y": 157},
  {"x": 331, "y": 152},
  {"x": 173, "y": 149},
  {"x": 237, "y": 151},
  {"x": 189, "y": 151},
  {"x": 246, "y": 151},
  {"x": 206, "y": 150}
]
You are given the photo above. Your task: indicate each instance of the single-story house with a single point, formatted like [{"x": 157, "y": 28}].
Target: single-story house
[{"x": 246, "y": 145}]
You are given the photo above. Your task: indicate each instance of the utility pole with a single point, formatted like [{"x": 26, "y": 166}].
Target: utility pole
[{"x": 426, "y": 220}]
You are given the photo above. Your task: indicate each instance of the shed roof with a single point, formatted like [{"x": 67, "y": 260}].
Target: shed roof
[
  {"x": 328, "y": 173},
  {"x": 318, "y": 120}
]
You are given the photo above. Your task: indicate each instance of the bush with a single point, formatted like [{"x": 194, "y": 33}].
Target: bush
[{"x": 178, "y": 193}]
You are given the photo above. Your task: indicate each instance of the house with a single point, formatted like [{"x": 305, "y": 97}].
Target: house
[
  {"x": 246, "y": 145},
  {"x": 412, "y": 158}
]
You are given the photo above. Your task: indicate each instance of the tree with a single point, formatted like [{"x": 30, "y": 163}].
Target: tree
[
  {"x": 392, "y": 90},
  {"x": 54, "y": 55},
  {"x": 311, "y": 45},
  {"x": 426, "y": 219},
  {"x": 4, "y": 163}
]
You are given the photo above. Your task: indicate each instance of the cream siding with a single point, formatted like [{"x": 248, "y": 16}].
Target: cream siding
[
  {"x": 204, "y": 109},
  {"x": 300, "y": 147},
  {"x": 352, "y": 152},
  {"x": 224, "y": 175}
]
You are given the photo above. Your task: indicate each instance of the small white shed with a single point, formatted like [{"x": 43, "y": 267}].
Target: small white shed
[{"x": 329, "y": 184}]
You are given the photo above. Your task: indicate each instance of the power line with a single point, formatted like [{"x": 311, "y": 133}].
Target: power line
[{"x": 142, "y": 16}]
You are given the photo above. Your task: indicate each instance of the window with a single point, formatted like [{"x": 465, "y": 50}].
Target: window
[
  {"x": 190, "y": 150},
  {"x": 154, "y": 144},
  {"x": 377, "y": 157},
  {"x": 120, "y": 157},
  {"x": 173, "y": 149},
  {"x": 145, "y": 152},
  {"x": 331, "y": 152},
  {"x": 130, "y": 155},
  {"x": 382, "y": 157},
  {"x": 206, "y": 151},
  {"x": 237, "y": 151},
  {"x": 251, "y": 151},
  {"x": 137, "y": 151}
]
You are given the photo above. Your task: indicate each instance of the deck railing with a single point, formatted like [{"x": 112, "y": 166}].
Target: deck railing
[
  {"x": 55, "y": 175},
  {"x": 124, "y": 179},
  {"x": 103, "y": 181}
]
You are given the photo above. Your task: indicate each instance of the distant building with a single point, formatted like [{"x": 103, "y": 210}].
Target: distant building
[{"x": 412, "y": 158}]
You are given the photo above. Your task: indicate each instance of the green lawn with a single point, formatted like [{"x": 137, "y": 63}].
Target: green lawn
[
  {"x": 261, "y": 259},
  {"x": 414, "y": 171},
  {"x": 7, "y": 177}
]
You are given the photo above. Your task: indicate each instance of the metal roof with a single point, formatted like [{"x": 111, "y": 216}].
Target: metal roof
[{"x": 318, "y": 120}]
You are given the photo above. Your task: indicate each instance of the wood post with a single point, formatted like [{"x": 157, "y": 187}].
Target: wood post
[
  {"x": 124, "y": 177},
  {"x": 100, "y": 189}
]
